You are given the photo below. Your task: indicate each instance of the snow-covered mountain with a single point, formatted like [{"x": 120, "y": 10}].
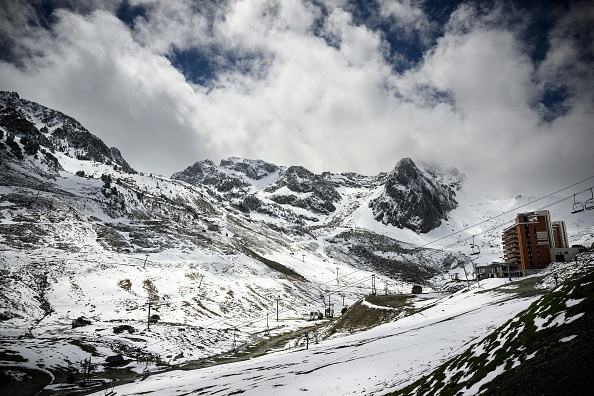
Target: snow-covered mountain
[
  {"x": 41, "y": 131},
  {"x": 219, "y": 251},
  {"x": 412, "y": 197}
]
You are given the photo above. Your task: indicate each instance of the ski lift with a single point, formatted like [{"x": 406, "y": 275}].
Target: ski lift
[
  {"x": 589, "y": 204},
  {"x": 577, "y": 206},
  {"x": 475, "y": 250}
]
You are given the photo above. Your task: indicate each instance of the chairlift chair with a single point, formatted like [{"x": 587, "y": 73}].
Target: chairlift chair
[
  {"x": 577, "y": 206},
  {"x": 475, "y": 250},
  {"x": 589, "y": 204}
]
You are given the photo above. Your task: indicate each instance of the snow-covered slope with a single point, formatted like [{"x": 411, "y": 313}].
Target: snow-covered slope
[
  {"x": 394, "y": 355},
  {"x": 218, "y": 251}
]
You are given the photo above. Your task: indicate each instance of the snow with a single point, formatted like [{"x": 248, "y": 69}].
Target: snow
[
  {"x": 207, "y": 293},
  {"x": 568, "y": 338},
  {"x": 572, "y": 302},
  {"x": 373, "y": 362}
]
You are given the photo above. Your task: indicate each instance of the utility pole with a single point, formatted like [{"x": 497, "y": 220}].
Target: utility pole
[
  {"x": 267, "y": 328},
  {"x": 373, "y": 290},
  {"x": 148, "y": 318},
  {"x": 509, "y": 271},
  {"x": 336, "y": 275},
  {"x": 146, "y": 258},
  {"x": 466, "y": 275},
  {"x": 200, "y": 284},
  {"x": 234, "y": 340},
  {"x": 278, "y": 298}
]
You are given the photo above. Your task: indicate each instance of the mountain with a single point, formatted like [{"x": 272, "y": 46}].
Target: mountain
[
  {"x": 41, "y": 131},
  {"x": 409, "y": 197},
  {"x": 416, "y": 199},
  {"x": 228, "y": 257}
]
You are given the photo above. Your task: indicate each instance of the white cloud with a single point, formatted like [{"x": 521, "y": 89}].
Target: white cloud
[
  {"x": 338, "y": 107},
  {"x": 408, "y": 14}
]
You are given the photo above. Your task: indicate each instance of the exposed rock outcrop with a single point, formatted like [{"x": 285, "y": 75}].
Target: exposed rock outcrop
[{"x": 413, "y": 198}]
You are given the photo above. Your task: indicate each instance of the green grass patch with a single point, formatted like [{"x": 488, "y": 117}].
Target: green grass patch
[{"x": 515, "y": 340}]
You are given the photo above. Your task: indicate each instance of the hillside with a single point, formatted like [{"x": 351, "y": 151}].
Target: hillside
[
  {"x": 545, "y": 350},
  {"x": 454, "y": 344},
  {"x": 218, "y": 252}
]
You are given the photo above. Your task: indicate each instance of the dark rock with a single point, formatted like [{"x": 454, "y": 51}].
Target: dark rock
[
  {"x": 115, "y": 360},
  {"x": 254, "y": 169},
  {"x": 414, "y": 199},
  {"x": 81, "y": 321},
  {"x": 121, "y": 328},
  {"x": 313, "y": 192}
]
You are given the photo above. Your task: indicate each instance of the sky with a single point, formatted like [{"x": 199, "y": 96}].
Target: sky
[{"x": 503, "y": 91}]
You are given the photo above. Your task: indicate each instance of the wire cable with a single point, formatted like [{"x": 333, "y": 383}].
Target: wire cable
[{"x": 507, "y": 212}]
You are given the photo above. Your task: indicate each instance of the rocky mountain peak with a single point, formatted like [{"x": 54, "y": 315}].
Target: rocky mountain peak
[
  {"x": 414, "y": 198},
  {"x": 254, "y": 169},
  {"x": 205, "y": 172},
  {"x": 9, "y": 96},
  {"x": 309, "y": 191},
  {"x": 405, "y": 171},
  {"x": 38, "y": 128}
]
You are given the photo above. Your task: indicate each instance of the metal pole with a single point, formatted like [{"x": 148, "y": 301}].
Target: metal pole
[
  {"x": 466, "y": 275},
  {"x": 509, "y": 270},
  {"x": 148, "y": 318}
]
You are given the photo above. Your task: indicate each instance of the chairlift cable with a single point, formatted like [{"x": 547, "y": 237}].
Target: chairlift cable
[
  {"x": 507, "y": 212},
  {"x": 507, "y": 222}
]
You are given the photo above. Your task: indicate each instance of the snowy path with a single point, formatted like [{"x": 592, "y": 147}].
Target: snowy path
[{"x": 373, "y": 362}]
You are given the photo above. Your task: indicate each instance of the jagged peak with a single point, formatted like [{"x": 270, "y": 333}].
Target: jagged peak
[
  {"x": 254, "y": 169},
  {"x": 10, "y": 95},
  {"x": 405, "y": 171}
]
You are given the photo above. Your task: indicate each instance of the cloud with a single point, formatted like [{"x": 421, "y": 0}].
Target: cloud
[
  {"x": 304, "y": 83},
  {"x": 408, "y": 15},
  {"x": 92, "y": 69}
]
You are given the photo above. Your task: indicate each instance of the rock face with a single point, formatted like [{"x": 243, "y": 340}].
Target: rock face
[
  {"x": 232, "y": 173},
  {"x": 411, "y": 197},
  {"x": 32, "y": 128},
  {"x": 254, "y": 169},
  {"x": 239, "y": 178},
  {"x": 414, "y": 198},
  {"x": 306, "y": 190}
]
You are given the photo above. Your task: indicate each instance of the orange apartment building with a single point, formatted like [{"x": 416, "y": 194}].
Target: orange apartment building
[
  {"x": 527, "y": 244},
  {"x": 560, "y": 235}
]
